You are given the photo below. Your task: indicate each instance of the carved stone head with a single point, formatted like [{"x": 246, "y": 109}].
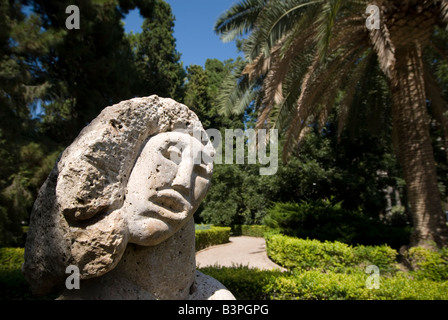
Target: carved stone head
[{"x": 135, "y": 174}]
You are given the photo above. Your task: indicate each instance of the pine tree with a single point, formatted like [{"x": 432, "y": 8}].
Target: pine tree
[
  {"x": 201, "y": 91},
  {"x": 157, "y": 60},
  {"x": 70, "y": 74},
  {"x": 23, "y": 44},
  {"x": 89, "y": 69}
]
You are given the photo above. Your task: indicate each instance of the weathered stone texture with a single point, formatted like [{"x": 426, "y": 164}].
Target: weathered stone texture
[{"x": 81, "y": 216}]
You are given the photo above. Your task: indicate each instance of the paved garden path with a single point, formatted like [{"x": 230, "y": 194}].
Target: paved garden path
[{"x": 246, "y": 251}]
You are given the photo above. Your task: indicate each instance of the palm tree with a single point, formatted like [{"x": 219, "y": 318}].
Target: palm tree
[{"x": 303, "y": 55}]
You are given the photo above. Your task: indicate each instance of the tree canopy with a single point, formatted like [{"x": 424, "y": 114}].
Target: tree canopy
[
  {"x": 54, "y": 81},
  {"x": 304, "y": 58}
]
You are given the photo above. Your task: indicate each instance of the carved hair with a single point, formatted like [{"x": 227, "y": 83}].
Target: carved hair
[{"x": 87, "y": 186}]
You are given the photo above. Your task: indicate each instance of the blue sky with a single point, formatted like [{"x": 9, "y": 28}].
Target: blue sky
[{"x": 195, "y": 38}]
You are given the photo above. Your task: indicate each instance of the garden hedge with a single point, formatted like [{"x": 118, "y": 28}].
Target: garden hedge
[
  {"x": 254, "y": 284},
  {"x": 14, "y": 286},
  {"x": 249, "y": 230},
  {"x": 337, "y": 271},
  {"x": 303, "y": 255},
  {"x": 325, "y": 271},
  {"x": 429, "y": 264},
  {"x": 211, "y": 236},
  {"x": 12, "y": 283}
]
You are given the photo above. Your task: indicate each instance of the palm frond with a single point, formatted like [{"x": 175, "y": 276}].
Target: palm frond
[
  {"x": 258, "y": 67},
  {"x": 384, "y": 48},
  {"x": 335, "y": 77},
  {"x": 320, "y": 89},
  {"x": 325, "y": 24},
  {"x": 233, "y": 86},
  {"x": 282, "y": 63},
  {"x": 303, "y": 38},
  {"x": 239, "y": 19},
  {"x": 444, "y": 12},
  {"x": 274, "y": 23},
  {"x": 301, "y": 113},
  {"x": 351, "y": 87},
  {"x": 300, "y": 57},
  {"x": 237, "y": 92},
  {"x": 279, "y": 115}
]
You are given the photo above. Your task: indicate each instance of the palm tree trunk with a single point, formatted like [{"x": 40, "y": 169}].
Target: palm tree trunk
[{"x": 411, "y": 122}]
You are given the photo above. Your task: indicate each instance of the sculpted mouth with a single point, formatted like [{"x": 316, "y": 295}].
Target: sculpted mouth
[{"x": 170, "y": 200}]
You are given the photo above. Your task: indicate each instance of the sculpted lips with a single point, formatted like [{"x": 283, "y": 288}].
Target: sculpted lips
[{"x": 171, "y": 201}]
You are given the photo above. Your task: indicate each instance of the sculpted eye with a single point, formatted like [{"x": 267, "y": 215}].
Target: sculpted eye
[{"x": 172, "y": 153}]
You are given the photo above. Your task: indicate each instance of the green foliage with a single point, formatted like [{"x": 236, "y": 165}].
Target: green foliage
[
  {"x": 34, "y": 163},
  {"x": 212, "y": 236},
  {"x": 308, "y": 283},
  {"x": 317, "y": 219},
  {"x": 250, "y": 230},
  {"x": 301, "y": 65},
  {"x": 201, "y": 90},
  {"x": 404, "y": 287},
  {"x": 383, "y": 256},
  {"x": 87, "y": 69},
  {"x": 254, "y": 284},
  {"x": 344, "y": 171},
  {"x": 54, "y": 81},
  {"x": 429, "y": 263},
  {"x": 157, "y": 61},
  {"x": 12, "y": 282},
  {"x": 244, "y": 283},
  {"x": 302, "y": 255},
  {"x": 237, "y": 196},
  {"x": 323, "y": 220},
  {"x": 334, "y": 271},
  {"x": 11, "y": 258},
  {"x": 23, "y": 42}
]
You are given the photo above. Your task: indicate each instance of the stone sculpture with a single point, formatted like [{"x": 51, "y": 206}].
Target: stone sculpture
[{"x": 118, "y": 205}]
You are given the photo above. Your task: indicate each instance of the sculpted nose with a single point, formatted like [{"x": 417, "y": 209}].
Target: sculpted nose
[{"x": 182, "y": 182}]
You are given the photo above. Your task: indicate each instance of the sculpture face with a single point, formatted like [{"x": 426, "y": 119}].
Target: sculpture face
[{"x": 167, "y": 184}]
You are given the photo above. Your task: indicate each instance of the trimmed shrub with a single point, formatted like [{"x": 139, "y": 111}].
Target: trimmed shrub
[
  {"x": 250, "y": 230},
  {"x": 243, "y": 282},
  {"x": 429, "y": 264},
  {"x": 403, "y": 286},
  {"x": 315, "y": 285},
  {"x": 299, "y": 254},
  {"x": 12, "y": 282},
  {"x": 384, "y": 257},
  {"x": 324, "y": 220},
  {"x": 254, "y": 284},
  {"x": 210, "y": 237}
]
